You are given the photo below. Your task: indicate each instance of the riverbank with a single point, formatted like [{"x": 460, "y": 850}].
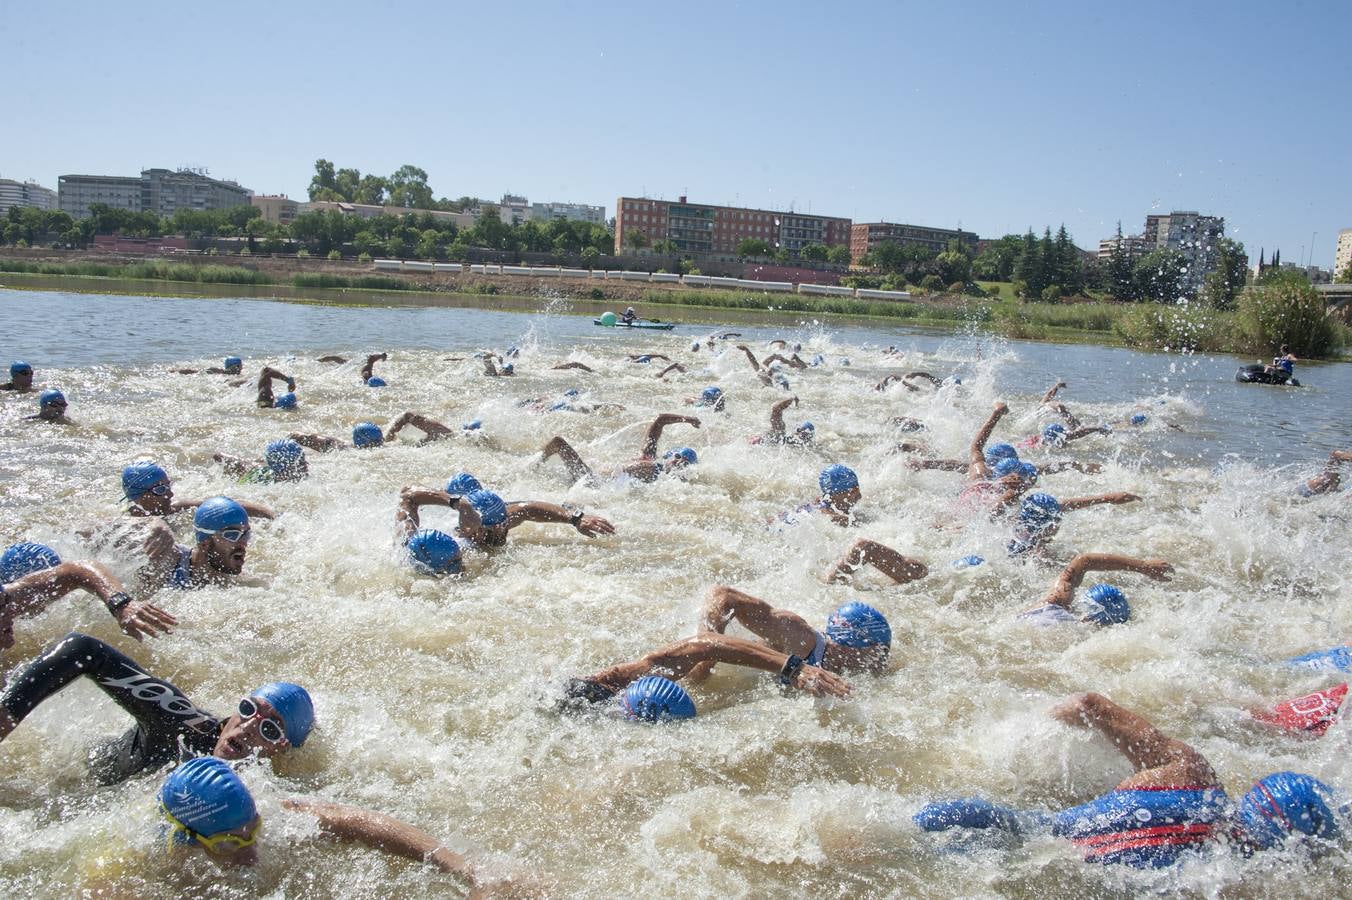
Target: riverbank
[{"x": 1106, "y": 324}]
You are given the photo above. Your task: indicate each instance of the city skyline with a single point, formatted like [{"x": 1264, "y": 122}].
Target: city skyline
[{"x": 989, "y": 119}]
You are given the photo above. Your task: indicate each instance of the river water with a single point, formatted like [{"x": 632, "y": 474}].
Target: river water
[{"x": 435, "y": 697}]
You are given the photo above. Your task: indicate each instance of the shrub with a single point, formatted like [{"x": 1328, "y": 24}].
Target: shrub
[
  {"x": 302, "y": 253},
  {"x": 1051, "y": 293},
  {"x": 1287, "y": 312},
  {"x": 484, "y": 287},
  {"x": 1173, "y": 327},
  {"x": 363, "y": 257},
  {"x": 335, "y": 254},
  {"x": 956, "y": 287},
  {"x": 932, "y": 284},
  {"x": 993, "y": 291},
  {"x": 596, "y": 294},
  {"x": 245, "y": 251}
]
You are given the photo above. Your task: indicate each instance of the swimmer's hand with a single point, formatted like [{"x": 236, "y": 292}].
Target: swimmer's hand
[
  {"x": 673, "y": 418},
  {"x": 1123, "y": 497},
  {"x": 1157, "y": 569},
  {"x": 1092, "y": 468},
  {"x": 141, "y": 619},
  {"x": 1001, "y": 406},
  {"x": 821, "y": 683},
  {"x": 591, "y": 526},
  {"x": 1076, "y": 710}
]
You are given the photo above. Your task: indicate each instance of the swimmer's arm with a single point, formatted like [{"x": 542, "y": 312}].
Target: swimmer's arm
[
  {"x": 369, "y": 366},
  {"x": 882, "y": 385},
  {"x": 674, "y": 367},
  {"x": 333, "y": 359},
  {"x": 255, "y": 510},
  {"x": 774, "y": 358},
  {"x": 750, "y": 356},
  {"x": 676, "y": 660},
  {"x": 269, "y": 375},
  {"x": 1115, "y": 499},
  {"x": 945, "y": 465},
  {"x": 429, "y": 427},
  {"x": 923, "y": 376},
  {"x": 234, "y": 465},
  {"x": 33, "y": 593},
  {"x": 1061, "y": 466},
  {"x": 382, "y": 832},
  {"x": 899, "y": 568},
  {"x": 654, "y": 434},
  {"x": 1051, "y": 392},
  {"x": 489, "y": 368},
  {"x": 1144, "y": 745},
  {"x": 574, "y": 365},
  {"x": 406, "y": 520},
  {"x": 552, "y": 513},
  {"x": 318, "y": 442},
  {"x": 777, "y": 415},
  {"x": 976, "y": 452},
  {"x": 1340, "y": 456},
  {"x": 1078, "y": 433}
]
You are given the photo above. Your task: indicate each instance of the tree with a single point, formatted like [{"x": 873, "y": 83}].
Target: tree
[
  {"x": 1159, "y": 275},
  {"x": 636, "y": 239},
  {"x": 408, "y": 188},
  {"x": 753, "y": 247},
  {"x": 1224, "y": 283},
  {"x": 1121, "y": 271},
  {"x": 954, "y": 267},
  {"x": 1029, "y": 268},
  {"x": 813, "y": 252},
  {"x": 996, "y": 262},
  {"x": 1346, "y": 276},
  {"x": 1069, "y": 264},
  {"x": 889, "y": 256},
  {"x": 371, "y": 189},
  {"x": 666, "y": 247},
  {"x": 839, "y": 255},
  {"x": 324, "y": 184}
]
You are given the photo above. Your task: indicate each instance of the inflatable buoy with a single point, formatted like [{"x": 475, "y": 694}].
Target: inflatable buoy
[
  {"x": 607, "y": 318},
  {"x": 1258, "y": 374}
]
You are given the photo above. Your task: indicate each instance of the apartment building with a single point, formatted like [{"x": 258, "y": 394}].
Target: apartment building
[
  {"x": 702, "y": 228},
  {"x": 866, "y": 236},
  {"x": 25, "y": 194}
]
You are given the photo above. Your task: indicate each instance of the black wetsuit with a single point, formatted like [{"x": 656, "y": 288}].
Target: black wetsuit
[{"x": 168, "y": 726}]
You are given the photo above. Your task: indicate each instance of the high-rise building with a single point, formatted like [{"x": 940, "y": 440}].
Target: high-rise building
[
  {"x": 1134, "y": 244},
  {"x": 572, "y": 212},
  {"x": 866, "y": 236},
  {"x": 1342, "y": 258},
  {"x": 1191, "y": 234},
  {"x": 76, "y": 193},
  {"x": 701, "y": 228},
  {"x": 159, "y": 191},
  {"x": 25, "y": 194}
]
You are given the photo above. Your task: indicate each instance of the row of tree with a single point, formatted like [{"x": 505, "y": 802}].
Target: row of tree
[{"x": 407, "y": 187}]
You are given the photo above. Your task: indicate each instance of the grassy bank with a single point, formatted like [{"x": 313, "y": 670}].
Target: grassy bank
[{"x": 153, "y": 271}]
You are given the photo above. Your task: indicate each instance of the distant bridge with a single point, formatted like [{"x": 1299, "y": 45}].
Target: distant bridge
[{"x": 1339, "y": 300}]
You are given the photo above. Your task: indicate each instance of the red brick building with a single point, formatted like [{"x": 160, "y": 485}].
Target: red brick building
[
  {"x": 865, "y": 236},
  {"x": 699, "y": 228}
]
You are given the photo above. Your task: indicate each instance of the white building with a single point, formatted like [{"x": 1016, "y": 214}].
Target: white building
[
  {"x": 1194, "y": 235},
  {"x": 1342, "y": 258},
  {"x": 1134, "y": 244},
  {"x": 572, "y": 212},
  {"x": 25, "y": 194}
]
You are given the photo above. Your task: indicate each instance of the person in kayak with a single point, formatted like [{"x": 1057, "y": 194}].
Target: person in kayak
[
  {"x": 272, "y": 719},
  {"x": 646, "y": 468},
  {"x": 629, "y": 317},
  {"x": 1283, "y": 362}
]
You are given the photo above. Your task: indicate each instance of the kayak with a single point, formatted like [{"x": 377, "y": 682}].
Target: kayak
[
  {"x": 1257, "y": 374},
  {"x": 651, "y": 326}
]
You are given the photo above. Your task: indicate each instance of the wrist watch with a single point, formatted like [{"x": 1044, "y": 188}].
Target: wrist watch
[
  {"x": 792, "y": 666},
  {"x": 117, "y": 602},
  {"x": 576, "y": 519}
]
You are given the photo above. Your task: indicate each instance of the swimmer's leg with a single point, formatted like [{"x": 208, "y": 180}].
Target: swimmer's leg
[
  {"x": 782, "y": 629},
  {"x": 901, "y": 569},
  {"x": 577, "y": 469},
  {"x": 1159, "y": 760}
]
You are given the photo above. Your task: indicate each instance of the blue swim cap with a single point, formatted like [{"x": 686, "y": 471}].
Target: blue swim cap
[
  {"x": 711, "y": 394},
  {"x": 806, "y": 430},
  {"x": 285, "y": 401},
  {"x": 50, "y": 396},
  {"x": 140, "y": 477},
  {"x": 997, "y": 452},
  {"x": 858, "y": 625},
  {"x": 216, "y": 514},
  {"x": 968, "y": 561},
  {"x": 26, "y": 558},
  {"x": 684, "y": 453},
  {"x": 18, "y": 367},
  {"x": 643, "y": 359},
  {"x": 1007, "y": 466},
  {"x": 653, "y": 698},
  {"x": 571, "y": 392},
  {"x": 293, "y": 704},
  {"x": 375, "y": 381},
  {"x": 1105, "y": 604},
  {"x": 233, "y": 362},
  {"x": 836, "y": 479},
  {"x": 1284, "y": 803},
  {"x": 1039, "y": 511},
  {"x": 472, "y": 426},
  {"x": 510, "y": 367},
  {"x": 489, "y": 506},
  {"x": 434, "y": 552},
  {"x": 1139, "y": 419},
  {"x": 1028, "y": 471},
  {"x": 284, "y": 457},
  {"x": 367, "y": 435},
  {"x": 1054, "y": 434},
  {"x": 463, "y": 484},
  {"x": 206, "y": 795}
]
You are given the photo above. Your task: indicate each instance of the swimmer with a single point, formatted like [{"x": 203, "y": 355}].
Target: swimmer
[
  {"x": 207, "y": 806},
  {"x": 333, "y": 358},
  {"x": 282, "y": 460},
  {"x": 647, "y": 357},
  {"x": 1329, "y": 480},
  {"x": 857, "y": 637},
  {"x": 20, "y": 377},
  {"x": 485, "y": 520},
  {"x": 368, "y": 368},
  {"x": 793, "y": 361},
  {"x": 51, "y": 409},
  {"x": 1105, "y": 603},
  {"x": 711, "y": 397},
  {"x": 365, "y": 436},
  {"x": 802, "y": 434},
  {"x": 1308, "y": 716},
  {"x": 674, "y": 367},
  {"x": 646, "y": 468},
  {"x": 430, "y": 551},
  {"x": 233, "y": 366},
  {"x": 273, "y": 719},
  {"x": 864, "y": 552},
  {"x": 490, "y": 369},
  {"x": 907, "y": 379},
  {"x": 980, "y": 461},
  {"x": 840, "y": 493},
  {"x": 575, "y": 365},
  {"x": 265, "y": 399},
  {"x": 432, "y": 429},
  {"x": 1172, "y": 804},
  {"x": 1040, "y": 518},
  {"x": 764, "y": 376},
  {"x": 33, "y": 577},
  {"x": 221, "y": 528},
  {"x": 148, "y": 489}
]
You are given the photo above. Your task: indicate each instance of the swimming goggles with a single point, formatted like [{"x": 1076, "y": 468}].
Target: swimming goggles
[
  {"x": 212, "y": 842},
  {"x": 234, "y": 534},
  {"x": 160, "y": 490},
  {"x": 268, "y": 727}
]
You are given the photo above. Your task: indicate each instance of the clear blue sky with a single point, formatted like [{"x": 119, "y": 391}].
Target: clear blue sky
[{"x": 997, "y": 116}]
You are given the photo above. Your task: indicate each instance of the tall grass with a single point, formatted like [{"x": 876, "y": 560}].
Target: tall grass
[
  {"x": 155, "y": 271},
  {"x": 372, "y": 282}
]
